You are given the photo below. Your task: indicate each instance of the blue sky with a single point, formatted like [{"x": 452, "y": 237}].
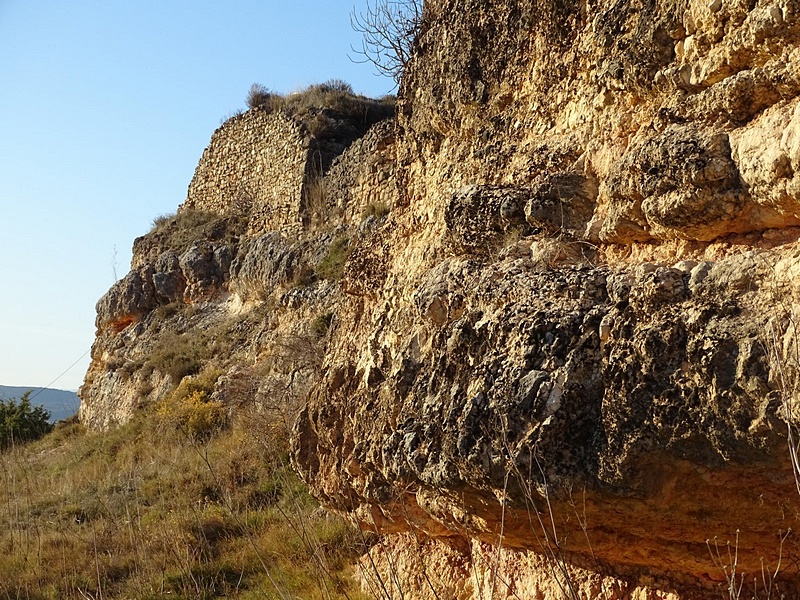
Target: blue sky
[{"x": 105, "y": 109}]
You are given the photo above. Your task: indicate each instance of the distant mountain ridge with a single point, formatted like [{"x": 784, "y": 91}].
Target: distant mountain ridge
[{"x": 61, "y": 404}]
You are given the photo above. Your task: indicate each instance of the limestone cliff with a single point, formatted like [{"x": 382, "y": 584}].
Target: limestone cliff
[
  {"x": 237, "y": 278},
  {"x": 566, "y": 361}
]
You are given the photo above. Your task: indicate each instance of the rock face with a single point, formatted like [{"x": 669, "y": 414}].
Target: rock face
[
  {"x": 230, "y": 282},
  {"x": 565, "y": 364},
  {"x": 576, "y": 332}
]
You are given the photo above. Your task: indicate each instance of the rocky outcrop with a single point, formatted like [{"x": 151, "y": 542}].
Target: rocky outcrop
[
  {"x": 231, "y": 283},
  {"x": 578, "y": 327},
  {"x": 564, "y": 364},
  {"x": 646, "y": 396}
]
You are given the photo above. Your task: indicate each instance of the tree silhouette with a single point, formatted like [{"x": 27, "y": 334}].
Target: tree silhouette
[
  {"x": 389, "y": 29},
  {"x": 21, "y": 421}
]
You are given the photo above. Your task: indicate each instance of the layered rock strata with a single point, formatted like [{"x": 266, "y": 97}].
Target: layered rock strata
[
  {"x": 576, "y": 334},
  {"x": 565, "y": 364}
]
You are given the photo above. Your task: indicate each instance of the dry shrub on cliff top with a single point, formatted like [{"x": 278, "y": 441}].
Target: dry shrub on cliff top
[
  {"x": 325, "y": 107},
  {"x": 259, "y": 96},
  {"x": 144, "y": 512}
]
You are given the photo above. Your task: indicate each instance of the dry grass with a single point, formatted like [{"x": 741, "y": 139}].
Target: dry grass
[
  {"x": 377, "y": 210},
  {"x": 316, "y": 200},
  {"x": 186, "y": 220},
  {"x": 143, "y": 511},
  {"x": 335, "y": 97},
  {"x": 177, "y": 232}
]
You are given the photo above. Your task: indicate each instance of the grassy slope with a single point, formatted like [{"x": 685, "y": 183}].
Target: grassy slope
[{"x": 143, "y": 511}]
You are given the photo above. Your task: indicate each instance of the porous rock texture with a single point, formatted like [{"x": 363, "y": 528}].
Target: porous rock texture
[
  {"x": 576, "y": 336},
  {"x": 565, "y": 364}
]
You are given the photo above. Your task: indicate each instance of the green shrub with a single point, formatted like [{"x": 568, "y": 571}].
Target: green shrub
[
  {"x": 179, "y": 355},
  {"x": 165, "y": 311},
  {"x": 22, "y": 422},
  {"x": 332, "y": 266},
  {"x": 182, "y": 353},
  {"x": 202, "y": 382},
  {"x": 194, "y": 414},
  {"x": 190, "y": 409}
]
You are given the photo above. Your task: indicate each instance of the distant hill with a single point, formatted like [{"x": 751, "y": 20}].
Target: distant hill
[{"x": 59, "y": 403}]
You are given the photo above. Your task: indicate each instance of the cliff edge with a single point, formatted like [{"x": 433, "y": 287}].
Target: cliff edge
[{"x": 540, "y": 330}]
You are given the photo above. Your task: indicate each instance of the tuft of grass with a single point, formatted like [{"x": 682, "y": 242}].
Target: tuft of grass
[
  {"x": 332, "y": 265},
  {"x": 183, "y": 220},
  {"x": 161, "y": 221},
  {"x": 180, "y": 355},
  {"x": 177, "y": 232},
  {"x": 375, "y": 209},
  {"x": 321, "y": 324},
  {"x": 316, "y": 199}
]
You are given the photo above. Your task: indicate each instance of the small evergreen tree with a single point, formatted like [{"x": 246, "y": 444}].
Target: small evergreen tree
[{"x": 22, "y": 422}]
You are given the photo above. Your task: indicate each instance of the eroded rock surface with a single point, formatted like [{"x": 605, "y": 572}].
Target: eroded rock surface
[
  {"x": 584, "y": 308},
  {"x": 569, "y": 347}
]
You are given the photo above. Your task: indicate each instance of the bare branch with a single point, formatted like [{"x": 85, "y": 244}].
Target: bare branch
[{"x": 389, "y": 29}]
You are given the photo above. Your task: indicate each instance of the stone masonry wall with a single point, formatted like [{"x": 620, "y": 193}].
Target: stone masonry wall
[
  {"x": 363, "y": 175},
  {"x": 255, "y": 163}
]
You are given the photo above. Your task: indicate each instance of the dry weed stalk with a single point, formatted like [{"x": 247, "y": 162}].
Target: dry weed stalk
[
  {"x": 546, "y": 534},
  {"x": 727, "y": 561},
  {"x": 783, "y": 347}
]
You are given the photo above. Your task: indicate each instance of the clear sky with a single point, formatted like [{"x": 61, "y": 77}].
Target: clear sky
[{"x": 105, "y": 109}]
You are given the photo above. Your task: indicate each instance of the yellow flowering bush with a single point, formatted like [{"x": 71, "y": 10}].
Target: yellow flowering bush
[{"x": 189, "y": 409}]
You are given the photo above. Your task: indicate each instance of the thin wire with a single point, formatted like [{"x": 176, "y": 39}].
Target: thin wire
[{"x": 40, "y": 390}]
